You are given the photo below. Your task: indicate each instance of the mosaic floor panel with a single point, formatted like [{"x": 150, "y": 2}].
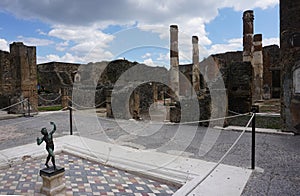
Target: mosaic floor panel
[{"x": 82, "y": 177}]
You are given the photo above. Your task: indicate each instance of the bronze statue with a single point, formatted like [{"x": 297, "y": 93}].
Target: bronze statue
[{"x": 48, "y": 138}]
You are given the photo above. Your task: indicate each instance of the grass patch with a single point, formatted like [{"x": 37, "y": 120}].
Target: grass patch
[
  {"x": 261, "y": 122},
  {"x": 49, "y": 108}
]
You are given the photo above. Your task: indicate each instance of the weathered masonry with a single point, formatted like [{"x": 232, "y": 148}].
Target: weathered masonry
[
  {"x": 290, "y": 62},
  {"x": 18, "y": 77},
  {"x": 55, "y": 82}
]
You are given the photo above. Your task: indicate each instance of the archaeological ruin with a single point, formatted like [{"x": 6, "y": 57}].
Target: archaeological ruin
[
  {"x": 250, "y": 76},
  {"x": 18, "y": 72},
  {"x": 290, "y": 64}
]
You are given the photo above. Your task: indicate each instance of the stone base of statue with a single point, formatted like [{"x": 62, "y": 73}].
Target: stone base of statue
[{"x": 53, "y": 181}]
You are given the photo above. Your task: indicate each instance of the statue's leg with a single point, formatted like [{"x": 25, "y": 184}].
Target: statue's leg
[
  {"x": 53, "y": 162},
  {"x": 47, "y": 160},
  {"x": 52, "y": 157}
]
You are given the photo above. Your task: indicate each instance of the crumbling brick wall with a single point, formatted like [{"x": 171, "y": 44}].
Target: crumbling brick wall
[{"x": 18, "y": 76}]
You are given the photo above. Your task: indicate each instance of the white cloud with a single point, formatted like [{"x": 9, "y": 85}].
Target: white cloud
[
  {"x": 32, "y": 41},
  {"x": 62, "y": 46},
  {"x": 65, "y": 58},
  {"x": 241, "y": 5},
  {"x": 92, "y": 56},
  {"x": 147, "y": 55},
  {"x": 231, "y": 45},
  {"x": 4, "y": 45},
  {"x": 160, "y": 29},
  {"x": 80, "y": 24},
  {"x": 270, "y": 41},
  {"x": 164, "y": 57},
  {"x": 85, "y": 13},
  {"x": 149, "y": 62},
  {"x": 88, "y": 43},
  {"x": 41, "y": 32},
  {"x": 82, "y": 35}
]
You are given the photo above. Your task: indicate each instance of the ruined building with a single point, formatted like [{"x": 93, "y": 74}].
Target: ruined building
[
  {"x": 55, "y": 82},
  {"x": 18, "y": 77},
  {"x": 290, "y": 62},
  {"x": 249, "y": 76}
]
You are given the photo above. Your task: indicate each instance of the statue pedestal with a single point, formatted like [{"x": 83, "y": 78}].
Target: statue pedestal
[{"x": 53, "y": 182}]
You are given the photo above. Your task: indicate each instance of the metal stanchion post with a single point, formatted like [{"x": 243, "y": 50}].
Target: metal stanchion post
[
  {"x": 71, "y": 119},
  {"x": 253, "y": 140},
  {"x": 28, "y": 107}
]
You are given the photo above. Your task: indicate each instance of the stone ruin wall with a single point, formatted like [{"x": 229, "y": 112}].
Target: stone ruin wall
[
  {"x": 53, "y": 76},
  {"x": 290, "y": 62},
  {"x": 101, "y": 80},
  {"x": 18, "y": 74},
  {"x": 6, "y": 82},
  {"x": 271, "y": 76},
  {"x": 55, "y": 81},
  {"x": 237, "y": 77}
]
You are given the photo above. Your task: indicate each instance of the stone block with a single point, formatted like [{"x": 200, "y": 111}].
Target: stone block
[{"x": 53, "y": 181}]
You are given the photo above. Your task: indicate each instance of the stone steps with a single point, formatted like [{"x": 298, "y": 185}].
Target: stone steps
[{"x": 269, "y": 106}]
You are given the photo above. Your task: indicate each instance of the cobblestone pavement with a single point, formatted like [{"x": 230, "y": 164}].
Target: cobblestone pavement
[
  {"x": 82, "y": 177},
  {"x": 277, "y": 156}
]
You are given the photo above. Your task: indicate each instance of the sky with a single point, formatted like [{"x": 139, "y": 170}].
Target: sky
[{"x": 79, "y": 31}]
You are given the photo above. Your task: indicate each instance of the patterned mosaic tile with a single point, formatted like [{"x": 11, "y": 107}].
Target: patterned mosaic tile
[{"x": 82, "y": 177}]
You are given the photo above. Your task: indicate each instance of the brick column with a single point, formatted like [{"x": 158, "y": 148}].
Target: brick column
[
  {"x": 155, "y": 92},
  {"x": 174, "y": 59},
  {"x": 248, "y": 18},
  {"x": 257, "y": 64},
  {"x": 24, "y": 70},
  {"x": 196, "y": 72}
]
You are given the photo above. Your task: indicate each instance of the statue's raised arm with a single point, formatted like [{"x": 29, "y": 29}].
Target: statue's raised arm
[{"x": 54, "y": 128}]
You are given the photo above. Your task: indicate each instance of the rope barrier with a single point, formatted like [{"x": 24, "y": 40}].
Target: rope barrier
[
  {"x": 233, "y": 112},
  {"x": 223, "y": 157},
  {"x": 215, "y": 119},
  {"x": 32, "y": 119},
  {"x": 49, "y": 100},
  {"x": 24, "y": 100},
  {"x": 84, "y": 106}
]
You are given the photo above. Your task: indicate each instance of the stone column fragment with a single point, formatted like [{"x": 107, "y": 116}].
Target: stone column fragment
[
  {"x": 196, "y": 72},
  {"x": 257, "y": 64},
  {"x": 248, "y": 18},
  {"x": 155, "y": 92},
  {"x": 174, "y": 59}
]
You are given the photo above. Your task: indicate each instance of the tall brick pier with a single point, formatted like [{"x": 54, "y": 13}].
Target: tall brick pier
[{"x": 290, "y": 62}]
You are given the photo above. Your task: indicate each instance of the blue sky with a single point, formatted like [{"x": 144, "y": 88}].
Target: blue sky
[{"x": 138, "y": 30}]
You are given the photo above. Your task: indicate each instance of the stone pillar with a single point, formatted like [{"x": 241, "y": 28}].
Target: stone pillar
[
  {"x": 290, "y": 62},
  {"x": 109, "y": 112},
  {"x": 155, "y": 92},
  {"x": 196, "y": 72},
  {"x": 257, "y": 64},
  {"x": 174, "y": 59},
  {"x": 64, "y": 97},
  {"x": 248, "y": 18},
  {"x": 23, "y": 61},
  {"x": 134, "y": 105}
]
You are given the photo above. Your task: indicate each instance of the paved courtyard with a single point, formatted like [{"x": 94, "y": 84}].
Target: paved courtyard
[
  {"x": 277, "y": 156},
  {"x": 82, "y": 177}
]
